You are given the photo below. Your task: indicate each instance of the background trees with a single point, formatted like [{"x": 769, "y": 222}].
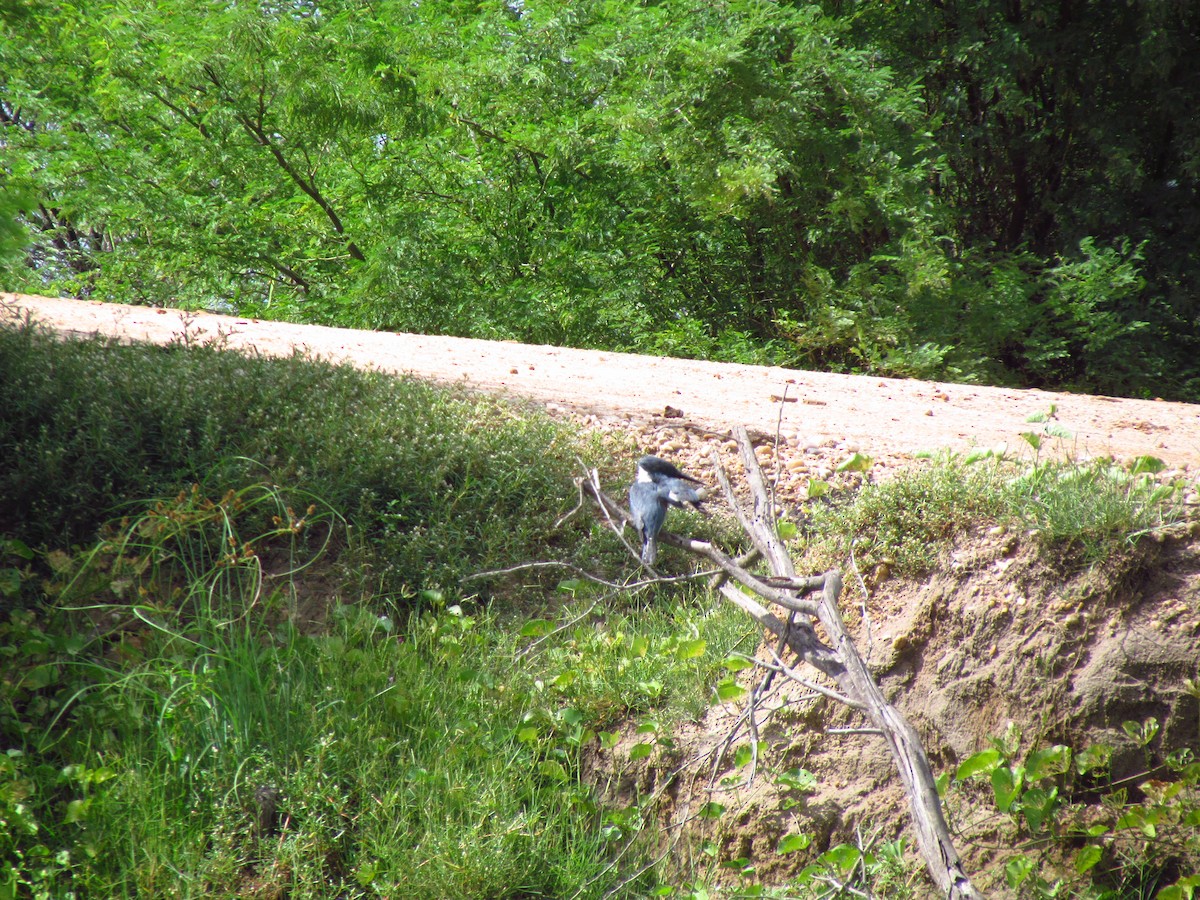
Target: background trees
[{"x": 1005, "y": 191}]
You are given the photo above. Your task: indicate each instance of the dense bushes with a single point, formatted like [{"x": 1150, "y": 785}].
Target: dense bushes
[{"x": 976, "y": 194}]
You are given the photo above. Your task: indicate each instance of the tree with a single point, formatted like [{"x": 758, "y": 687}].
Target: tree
[
  {"x": 886, "y": 187},
  {"x": 1069, "y": 136},
  {"x": 612, "y": 174}
]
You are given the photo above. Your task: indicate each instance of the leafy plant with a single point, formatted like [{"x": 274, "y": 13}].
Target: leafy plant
[{"x": 1112, "y": 845}]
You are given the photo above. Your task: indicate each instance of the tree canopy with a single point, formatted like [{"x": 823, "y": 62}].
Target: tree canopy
[{"x": 1001, "y": 191}]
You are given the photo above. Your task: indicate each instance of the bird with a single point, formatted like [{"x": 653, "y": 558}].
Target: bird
[{"x": 658, "y": 485}]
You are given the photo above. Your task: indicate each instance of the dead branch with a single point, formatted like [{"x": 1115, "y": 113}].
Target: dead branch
[{"x": 842, "y": 662}]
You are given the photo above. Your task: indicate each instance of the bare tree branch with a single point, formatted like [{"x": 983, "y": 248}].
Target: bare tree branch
[{"x": 841, "y": 662}]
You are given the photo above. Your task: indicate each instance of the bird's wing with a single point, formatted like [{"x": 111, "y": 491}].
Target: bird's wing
[{"x": 677, "y": 493}]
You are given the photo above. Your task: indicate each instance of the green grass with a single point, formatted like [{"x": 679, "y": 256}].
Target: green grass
[
  {"x": 413, "y": 752},
  {"x": 437, "y": 483},
  {"x": 1078, "y": 512},
  {"x": 397, "y": 760},
  {"x": 180, "y": 504}
]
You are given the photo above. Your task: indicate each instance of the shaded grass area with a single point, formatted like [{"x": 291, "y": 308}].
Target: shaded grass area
[{"x": 439, "y": 482}]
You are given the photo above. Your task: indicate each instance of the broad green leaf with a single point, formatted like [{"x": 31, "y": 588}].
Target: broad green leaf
[
  {"x": 1055, "y": 430},
  {"x": 1141, "y": 732},
  {"x": 1038, "y": 807},
  {"x": 537, "y": 628},
  {"x": 691, "y": 649},
  {"x": 742, "y": 755},
  {"x": 1017, "y": 870},
  {"x": 857, "y": 462},
  {"x": 652, "y": 689},
  {"x": 1087, "y": 858},
  {"x": 77, "y": 811},
  {"x": 942, "y": 783},
  {"x": 843, "y": 857},
  {"x": 798, "y": 779},
  {"x": 41, "y": 676},
  {"x": 815, "y": 488},
  {"x": 790, "y": 843},
  {"x": 1146, "y": 464},
  {"x": 10, "y": 582},
  {"x": 1047, "y": 762},
  {"x": 1092, "y": 757},
  {"x": 983, "y": 762},
  {"x": 729, "y": 690},
  {"x": 1005, "y": 786},
  {"x": 16, "y": 548}
]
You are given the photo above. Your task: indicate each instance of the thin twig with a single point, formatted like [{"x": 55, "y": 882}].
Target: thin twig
[
  {"x": 578, "y": 503},
  {"x": 793, "y": 674},
  {"x": 778, "y": 429},
  {"x": 866, "y": 613},
  {"x": 583, "y": 573}
]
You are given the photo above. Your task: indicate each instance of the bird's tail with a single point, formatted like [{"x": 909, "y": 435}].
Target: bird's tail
[{"x": 649, "y": 551}]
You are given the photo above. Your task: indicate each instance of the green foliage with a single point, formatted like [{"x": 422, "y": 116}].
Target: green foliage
[
  {"x": 637, "y": 662},
  {"x": 171, "y": 729},
  {"x": 422, "y": 471},
  {"x": 906, "y": 521},
  {"x": 864, "y": 187},
  {"x": 1117, "y": 847},
  {"x": 374, "y": 747},
  {"x": 1082, "y": 512},
  {"x": 190, "y": 709}
]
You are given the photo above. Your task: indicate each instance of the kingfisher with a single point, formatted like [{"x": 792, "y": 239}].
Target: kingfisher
[{"x": 659, "y": 484}]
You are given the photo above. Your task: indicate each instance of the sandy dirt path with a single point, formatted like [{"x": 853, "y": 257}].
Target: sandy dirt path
[{"x": 887, "y": 418}]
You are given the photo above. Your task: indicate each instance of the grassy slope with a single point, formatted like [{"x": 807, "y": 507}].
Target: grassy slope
[
  {"x": 159, "y": 694},
  {"x": 170, "y": 727}
]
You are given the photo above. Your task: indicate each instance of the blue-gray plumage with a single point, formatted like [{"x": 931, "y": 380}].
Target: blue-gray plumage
[
  {"x": 659, "y": 485},
  {"x": 649, "y": 508}
]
